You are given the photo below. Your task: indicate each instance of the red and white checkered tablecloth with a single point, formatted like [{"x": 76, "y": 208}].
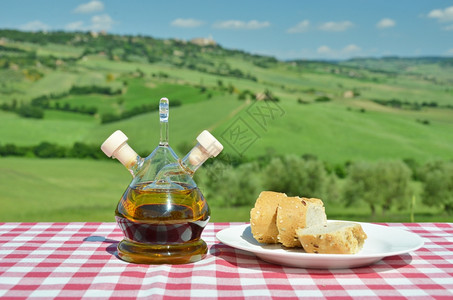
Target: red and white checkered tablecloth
[{"x": 77, "y": 260}]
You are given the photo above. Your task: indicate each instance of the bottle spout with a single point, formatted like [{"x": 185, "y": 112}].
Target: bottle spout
[
  {"x": 116, "y": 146},
  {"x": 164, "y": 106},
  {"x": 163, "y": 109},
  {"x": 208, "y": 146}
]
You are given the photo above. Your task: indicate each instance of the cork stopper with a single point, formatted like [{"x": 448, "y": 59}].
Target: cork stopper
[
  {"x": 116, "y": 146},
  {"x": 212, "y": 146},
  {"x": 208, "y": 146}
]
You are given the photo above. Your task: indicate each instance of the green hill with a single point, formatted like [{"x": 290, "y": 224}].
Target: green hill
[
  {"x": 64, "y": 88},
  {"x": 355, "y": 121}
]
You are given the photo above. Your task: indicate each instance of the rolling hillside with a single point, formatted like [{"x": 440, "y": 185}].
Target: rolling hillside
[
  {"x": 63, "y": 88},
  {"x": 208, "y": 82}
]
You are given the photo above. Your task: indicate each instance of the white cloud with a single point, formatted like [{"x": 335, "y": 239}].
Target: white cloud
[
  {"x": 324, "y": 50},
  {"x": 385, "y": 23},
  {"x": 302, "y": 26},
  {"x": 336, "y": 26},
  {"x": 101, "y": 22},
  {"x": 74, "y": 26},
  {"x": 97, "y": 23},
  {"x": 346, "y": 52},
  {"x": 235, "y": 24},
  {"x": 186, "y": 23},
  {"x": 449, "y": 51},
  {"x": 442, "y": 15},
  {"x": 351, "y": 49},
  {"x": 448, "y": 28},
  {"x": 90, "y": 7},
  {"x": 34, "y": 26}
]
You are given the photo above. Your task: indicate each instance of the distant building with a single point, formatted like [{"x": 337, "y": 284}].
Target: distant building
[
  {"x": 348, "y": 94},
  {"x": 203, "y": 41}
]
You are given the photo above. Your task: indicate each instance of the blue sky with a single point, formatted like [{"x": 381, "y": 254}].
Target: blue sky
[{"x": 322, "y": 29}]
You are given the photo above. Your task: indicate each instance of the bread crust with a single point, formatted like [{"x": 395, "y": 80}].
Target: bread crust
[
  {"x": 263, "y": 217},
  {"x": 347, "y": 239},
  {"x": 293, "y": 213}
]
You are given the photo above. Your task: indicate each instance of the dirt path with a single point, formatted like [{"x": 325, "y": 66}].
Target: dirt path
[{"x": 229, "y": 116}]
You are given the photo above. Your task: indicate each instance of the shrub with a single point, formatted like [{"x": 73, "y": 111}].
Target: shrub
[
  {"x": 301, "y": 101},
  {"x": 108, "y": 118},
  {"x": 49, "y": 150},
  {"x": 423, "y": 121},
  {"x": 93, "y": 89},
  {"x": 323, "y": 99}
]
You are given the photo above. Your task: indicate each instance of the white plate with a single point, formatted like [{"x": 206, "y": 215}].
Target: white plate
[{"x": 382, "y": 241}]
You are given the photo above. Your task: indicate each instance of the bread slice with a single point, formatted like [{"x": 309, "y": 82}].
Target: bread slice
[
  {"x": 334, "y": 238},
  {"x": 294, "y": 213},
  {"x": 263, "y": 215}
]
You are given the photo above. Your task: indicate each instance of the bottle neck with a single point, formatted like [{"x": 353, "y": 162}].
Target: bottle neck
[
  {"x": 135, "y": 167},
  {"x": 163, "y": 116},
  {"x": 194, "y": 159},
  {"x": 129, "y": 158},
  {"x": 163, "y": 134}
]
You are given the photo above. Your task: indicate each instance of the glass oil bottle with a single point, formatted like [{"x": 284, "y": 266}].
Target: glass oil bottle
[{"x": 162, "y": 213}]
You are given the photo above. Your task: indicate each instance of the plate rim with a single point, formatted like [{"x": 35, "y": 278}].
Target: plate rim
[{"x": 262, "y": 251}]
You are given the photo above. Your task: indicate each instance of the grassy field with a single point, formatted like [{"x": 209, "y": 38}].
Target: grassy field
[
  {"x": 329, "y": 130},
  {"x": 352, "y": 127},
  {"x": 337, "y": 134},
  {"x": 60, "y": 190},
  {"x": 63, "y": 190},
  {"x": 337, "y": 131}
]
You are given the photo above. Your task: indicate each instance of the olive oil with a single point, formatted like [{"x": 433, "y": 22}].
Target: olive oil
[{"x": 161, "y": 225}]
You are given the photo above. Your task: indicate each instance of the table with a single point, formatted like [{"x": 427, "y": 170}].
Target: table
[{"x": 77, "y": 260}]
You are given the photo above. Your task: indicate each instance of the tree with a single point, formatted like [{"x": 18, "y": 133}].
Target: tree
[
  {"x": 81, "y": 150},
  {"x": 295, "y": 176},
  {"x": 48, "y": 150},
  {"x": 12, "y": 150},
  {"x": 380, "y": 184},
  {"x": 29, "y": 111},
  {"x": 438, "y": 185},
  {"x": 331, "y": 191},
  {"x": 395, "y": 179},
  {"x": 230, "y": 186}
]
